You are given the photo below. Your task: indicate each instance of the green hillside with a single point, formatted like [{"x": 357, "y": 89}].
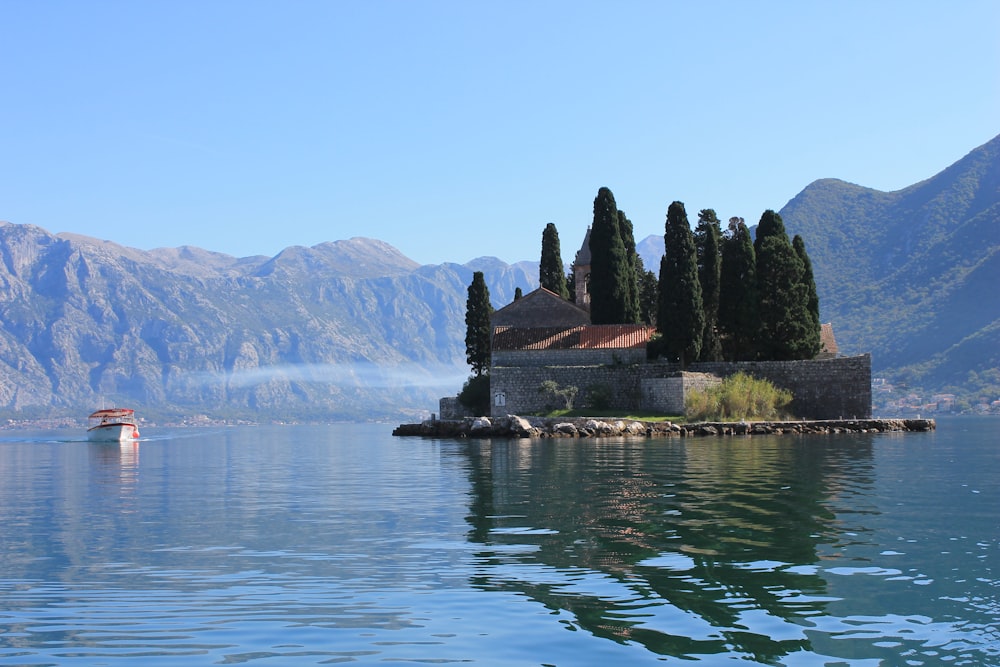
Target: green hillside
[{"x": 913, "y": 276}]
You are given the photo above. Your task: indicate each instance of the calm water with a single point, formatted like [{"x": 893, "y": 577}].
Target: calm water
[{"x": 323, "y": 545}]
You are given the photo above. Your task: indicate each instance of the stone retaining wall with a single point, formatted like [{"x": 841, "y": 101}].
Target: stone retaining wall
[{"x": 822, "y": 388}]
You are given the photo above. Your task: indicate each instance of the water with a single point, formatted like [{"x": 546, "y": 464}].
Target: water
[{"x": 342, "y": 544}]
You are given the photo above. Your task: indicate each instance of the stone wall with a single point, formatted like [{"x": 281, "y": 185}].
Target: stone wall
[
  {"x": 517, "y": 390},
  {"x": 450, "y": 408},
  {"x": 571, "y": 357},
  {"x": 665, "y": 395},
  {"x": 838, "y": 388},
  {"x": 822, "y": 388}
]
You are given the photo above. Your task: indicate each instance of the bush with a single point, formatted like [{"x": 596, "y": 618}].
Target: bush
[
  {"x": 738, "y": 397},
  {"x": 475, "y": 394},
  {"x": 599, "y": 396},
  {"x": 565, "y": 395}
]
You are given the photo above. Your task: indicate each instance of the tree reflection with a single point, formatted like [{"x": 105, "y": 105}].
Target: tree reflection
[{"x": 689, "y": 547}]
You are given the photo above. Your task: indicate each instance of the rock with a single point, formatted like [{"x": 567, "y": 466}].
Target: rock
[
  {"x": 481, "y": 425},
  {"x": 565, "y": 429},
  {"x": 520, "y": 426}
]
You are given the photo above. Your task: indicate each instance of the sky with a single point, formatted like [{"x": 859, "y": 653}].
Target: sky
[{"x": 455, "y": 130}]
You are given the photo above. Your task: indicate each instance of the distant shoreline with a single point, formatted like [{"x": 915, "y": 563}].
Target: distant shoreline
[{"x": 513, "y": 426}]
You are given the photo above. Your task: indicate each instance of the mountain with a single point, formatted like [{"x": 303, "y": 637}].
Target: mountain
[
  {"x": 354, "y": 329},
  {"x": 344, "y": 330},
  {"x": 912, "y": 276}
]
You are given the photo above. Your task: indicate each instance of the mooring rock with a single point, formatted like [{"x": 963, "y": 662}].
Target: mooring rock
[
  {"x": 481, "y": 425},
  {"x": 520, "y": 426},
  {"x": 600, "y": 427},
  {"x": 564, "y": 428}
]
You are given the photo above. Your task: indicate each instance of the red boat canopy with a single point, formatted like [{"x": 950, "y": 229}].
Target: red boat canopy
[{"x": 113, "y": 412}]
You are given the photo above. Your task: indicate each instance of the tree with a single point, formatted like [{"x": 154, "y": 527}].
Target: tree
[
  {"x": 707, "y": 237},
  {"x": 633, "y": 270},
  {"x": 649, "y": 296},
  {"x": 787, "y": 328},
  {"x": 739, "y": 318},
  {"x": 608, "y": 268},
  {"x": 812, "y": 298},
  {"x": 478, "y": 310},
  {"x": 551, "y": 272},
  {"x": 770, "y": 224},
  {"x": 680, "y": 319}
]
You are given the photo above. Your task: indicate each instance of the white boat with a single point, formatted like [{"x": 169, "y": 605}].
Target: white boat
[{"x": 113, "y": 425}]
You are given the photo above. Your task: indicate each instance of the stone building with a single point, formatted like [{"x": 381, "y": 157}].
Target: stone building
[{"x": 542, "y": 339}]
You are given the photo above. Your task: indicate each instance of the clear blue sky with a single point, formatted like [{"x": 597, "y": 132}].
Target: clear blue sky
[{"x": 459, "y": 129}]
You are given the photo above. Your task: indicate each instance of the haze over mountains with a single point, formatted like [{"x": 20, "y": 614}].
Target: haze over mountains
[{"x": 355, "y": 330}]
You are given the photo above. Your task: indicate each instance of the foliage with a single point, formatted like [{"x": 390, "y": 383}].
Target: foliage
[
  {"x": 707, "y": 238},
  {"x": 551, "y": 272},
  {"x": 556, "y": 394},
  {"x": 609, "y": 274},
  {"x": 478, "y": 309},
  {"x": 475, "y": 394},
  {"x": 633, "y": 266},
  {"x": 599, "y": 396},
  {"x": 649, "y": 295},
  {"x": 680, "y": 318},
  {"x": 738, "y": 397},
  {"x": 739, "y": 317},
  {"x": 787, "y": 328},
  {"x": 812, "y": 298}
]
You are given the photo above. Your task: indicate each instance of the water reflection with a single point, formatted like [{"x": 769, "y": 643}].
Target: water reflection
[{"x": 689, "y": 547}]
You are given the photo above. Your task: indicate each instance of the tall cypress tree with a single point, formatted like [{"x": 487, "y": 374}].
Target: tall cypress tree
[
  {"x": 551, "y": 272},
  {"x": 608, "y": 278},
  {"x": 633, "y": 269},
  {"x": 707, "y": 237},
  {"x": 478, "y": 309},
  {"x": 786, "y": 324},
  {"x": 812, "y": 303},
  {"x": 739, "y": 317},
  {"x": 649, "y": 295},
  {"x": 770, "y": 224},
  {"x": 680, "y": 319}
]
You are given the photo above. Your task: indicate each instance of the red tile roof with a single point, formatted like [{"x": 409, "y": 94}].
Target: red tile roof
[{"x": 588, "y": 337}]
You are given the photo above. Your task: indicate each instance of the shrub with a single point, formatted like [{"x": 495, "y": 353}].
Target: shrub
[
  {"x": 475, "y": 394},
  {"x": 599, "y": 396},
  {"x": 565, "y": 394},
  {"x": 738, "y": 397}
]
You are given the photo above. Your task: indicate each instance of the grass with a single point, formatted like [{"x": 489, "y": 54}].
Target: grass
[
  {"x": 593, "y": 412},
  {"x": 737, "y": 398}
]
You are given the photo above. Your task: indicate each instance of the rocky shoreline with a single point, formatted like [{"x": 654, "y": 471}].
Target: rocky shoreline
[{"x": 513, "y": 426}]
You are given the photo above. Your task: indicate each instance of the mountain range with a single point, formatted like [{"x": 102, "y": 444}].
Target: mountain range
[{"x": 353, "y": 329}]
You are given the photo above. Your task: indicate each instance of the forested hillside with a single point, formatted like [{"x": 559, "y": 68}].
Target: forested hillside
[{"x": 913, "y": 275}]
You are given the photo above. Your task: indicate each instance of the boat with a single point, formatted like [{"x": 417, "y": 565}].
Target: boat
[{"x": 113, "y": 425}]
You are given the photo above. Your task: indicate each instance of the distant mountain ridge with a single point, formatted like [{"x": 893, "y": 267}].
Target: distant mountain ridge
[
  {"x": 356, "y": 330},
  {"x": 343, "y": 330}
]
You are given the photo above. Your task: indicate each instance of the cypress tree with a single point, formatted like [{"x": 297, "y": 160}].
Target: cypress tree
[
  {"x": 608, "y": 280},
  {"x": 680, "y": 319},
  {"x": 551, "y": 272},
  {"x": 787, "y": 327},
  {"x": 478, "y": 309},
  {"x": 812, "y": 298},
  {"x": 739, "y": 318},
  {"x": 770, "y": 224},
  {"x": 633, "y": 269},
  {"x": 707, "y": 237},
  {"x": 649, "y": 296}
]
